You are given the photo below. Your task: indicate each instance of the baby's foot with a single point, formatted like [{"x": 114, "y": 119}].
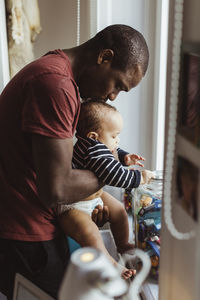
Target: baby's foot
[
  {"x": 125, "y": 248},
  {"x": 126, "y": 273}
]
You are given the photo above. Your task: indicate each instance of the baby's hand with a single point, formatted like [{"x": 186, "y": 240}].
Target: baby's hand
[
  {"x": 146, "y": 176},
  {"x": 133, "y": 159}
]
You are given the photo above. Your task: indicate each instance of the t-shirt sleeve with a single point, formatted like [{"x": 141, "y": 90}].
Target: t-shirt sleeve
[
  {"x": 50, "y": 109},
  {"x": 121, "y": 154}
]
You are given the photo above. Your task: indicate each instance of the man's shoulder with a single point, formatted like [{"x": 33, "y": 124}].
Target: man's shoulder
[
  {"x": 50, "y": 72},
  {"x": 54, "y": 64},
  {"x": 57, "y": 62}
]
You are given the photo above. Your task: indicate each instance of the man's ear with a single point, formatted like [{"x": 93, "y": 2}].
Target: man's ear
[
  {"x": 92, "y": 135},
  {"x": 137, "y": 74},
  {"x": 105, "y": 56}
]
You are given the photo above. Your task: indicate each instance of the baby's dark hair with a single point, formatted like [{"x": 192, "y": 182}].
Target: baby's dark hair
[{"x": 91, "y": 116}]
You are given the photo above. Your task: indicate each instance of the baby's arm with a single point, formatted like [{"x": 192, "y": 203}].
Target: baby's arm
[
  {"x": 128, "y": 159},
  {"x": 110, "y": 171}
]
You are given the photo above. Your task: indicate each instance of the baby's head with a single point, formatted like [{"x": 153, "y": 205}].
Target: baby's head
[{"x": 100, "y": 121}]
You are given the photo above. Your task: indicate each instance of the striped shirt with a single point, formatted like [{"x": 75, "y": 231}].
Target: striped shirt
[{"x": 95, "y": 156}]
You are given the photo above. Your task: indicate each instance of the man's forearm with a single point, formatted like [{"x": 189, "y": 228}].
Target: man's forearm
[
  {"x": 80, "y": 184},
  {"x": 57, "y": 182},
  {"x": 76, "y": 186}
]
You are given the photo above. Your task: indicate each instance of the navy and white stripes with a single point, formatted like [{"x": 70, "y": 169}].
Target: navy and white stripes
[{"x": 95, "y": 156}]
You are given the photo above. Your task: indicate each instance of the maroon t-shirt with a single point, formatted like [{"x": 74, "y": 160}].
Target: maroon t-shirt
[{"x": 42, "y": 98}]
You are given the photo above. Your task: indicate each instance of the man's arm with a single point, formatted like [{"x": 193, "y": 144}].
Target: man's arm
[{"x": 56, "y": 180}]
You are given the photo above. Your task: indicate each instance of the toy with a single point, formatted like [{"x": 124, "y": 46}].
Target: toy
[
  {"x": 128, "y": 200},
  {"x": 145, "y": 201},
  {"x": 148, "y": 225},
  {"x": 154, "y": 260}
]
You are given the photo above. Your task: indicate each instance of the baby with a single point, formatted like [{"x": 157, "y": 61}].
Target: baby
[{"x": 98, "y": 132}]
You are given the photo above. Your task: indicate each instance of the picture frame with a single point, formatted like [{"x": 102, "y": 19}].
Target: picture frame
[
  {"x": 187, "y": 180},
  {"x": 25, "y": 289},
  {"x": 189, "y": 94}
]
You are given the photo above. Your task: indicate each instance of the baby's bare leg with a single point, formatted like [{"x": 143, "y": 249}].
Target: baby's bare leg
[
  {"x": 79, "y": 226},
  {"x": 118, "y": 222}
]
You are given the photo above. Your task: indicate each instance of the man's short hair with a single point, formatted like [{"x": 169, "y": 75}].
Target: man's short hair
[
  {"x": 128, "y": 44},
  {"x": 92, "y": 114}
]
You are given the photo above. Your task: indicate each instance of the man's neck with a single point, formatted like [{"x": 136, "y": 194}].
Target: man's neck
[{"x": 75, "y": 56}]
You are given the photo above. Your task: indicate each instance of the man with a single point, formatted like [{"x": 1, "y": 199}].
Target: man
[{"x": 39, "y": 109}]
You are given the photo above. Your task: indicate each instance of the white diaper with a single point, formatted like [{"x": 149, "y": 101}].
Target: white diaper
[{"x": 85, "y": 206}]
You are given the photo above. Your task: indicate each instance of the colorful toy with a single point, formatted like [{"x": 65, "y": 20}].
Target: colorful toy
[
  {"x": 145, "y": 201},
  {"x": 128, "y": 197},
  {"x": 148, "y": 225}
]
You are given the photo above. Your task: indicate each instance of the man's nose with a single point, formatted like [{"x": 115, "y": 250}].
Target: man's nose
[{"x": 112, "y": 96}]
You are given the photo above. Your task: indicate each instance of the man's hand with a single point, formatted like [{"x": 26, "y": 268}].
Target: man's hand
[
  {"x": 100, "y": 215},
  {"x": 133, "y": 159}
]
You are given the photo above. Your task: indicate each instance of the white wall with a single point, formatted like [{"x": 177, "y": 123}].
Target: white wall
[{"x": 58, "y": 22}]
